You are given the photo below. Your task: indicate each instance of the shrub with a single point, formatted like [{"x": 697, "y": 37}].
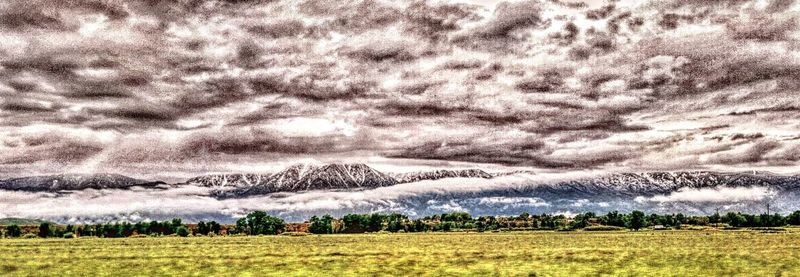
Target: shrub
[
  {"x": 182, "y": 231},
  {"x": 294, "y": 234},
  {"x": 139, "y": 236},
  {"x": 29, "y": 236},
  {"x": 770, "y": 229},
  {"x": 603, "y": 228},
  {"x": 69, "y": 235},
  {"x": 13, "y": 231}
]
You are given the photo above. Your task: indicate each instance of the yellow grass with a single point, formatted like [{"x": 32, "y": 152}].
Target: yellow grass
[{"x": 646, "y": 253}]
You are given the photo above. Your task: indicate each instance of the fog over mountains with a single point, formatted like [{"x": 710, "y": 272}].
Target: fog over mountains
[{"x": 302, "y": 190}]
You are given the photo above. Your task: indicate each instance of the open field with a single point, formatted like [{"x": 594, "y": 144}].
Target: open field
[{"x": 646, "y": 253}]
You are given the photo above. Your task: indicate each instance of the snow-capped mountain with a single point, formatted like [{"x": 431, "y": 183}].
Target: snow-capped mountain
[
  {"x": 302, "y": 177},
  {"x": 60, "y": 182},
  {"x": 651, "y": 183},
  {"x": 226, "y": 181},
  {"x": 440, "y": 174}
]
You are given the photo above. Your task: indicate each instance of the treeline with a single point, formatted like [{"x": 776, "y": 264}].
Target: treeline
[
  {"x": 260, "y": 223},
  {"x": 461, "y": 221},
  {"x": 115, "y": 230}
]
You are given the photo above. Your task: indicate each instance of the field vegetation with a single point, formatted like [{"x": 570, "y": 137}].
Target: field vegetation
[
  {"x": 526, "y": 253},
  {"x": 451, "y": 244}
]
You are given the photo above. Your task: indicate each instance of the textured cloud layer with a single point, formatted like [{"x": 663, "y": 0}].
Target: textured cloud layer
[{"x": 200, "y": 85}]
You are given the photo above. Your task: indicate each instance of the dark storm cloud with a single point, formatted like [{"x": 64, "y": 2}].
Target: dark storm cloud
[
  {"x": 98, "y": 90},
  {"x": 500, "y": 31},
  {"x": 381, "y": 52},
  {"x": 763, "y": 27},
  {"x": 353, "y": 16},
  {"x": 58, "y": 66},
  {"x": 142, "y": 112},
  {"x": 51, "y": 146},
  {"x": 753, "y": 153},
  {"x": 527, "y": 152},
  {"x": 467, "y": 150},
  {"x": 436, "y": 21},
  {"x": 279, "y": 29},
  {"x": 19, "y": 18},
  {"x": 521, "y": 83},
  {"x": 26, "y": 105}
]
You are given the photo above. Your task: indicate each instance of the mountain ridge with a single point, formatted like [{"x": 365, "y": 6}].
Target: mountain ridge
[{"x": 59, "y": 182}]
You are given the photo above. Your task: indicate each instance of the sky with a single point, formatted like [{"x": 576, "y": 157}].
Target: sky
[{"x": 172, "y": 89}]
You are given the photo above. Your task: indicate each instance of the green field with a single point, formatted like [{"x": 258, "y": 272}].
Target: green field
[{"x": 645, "y": 253}]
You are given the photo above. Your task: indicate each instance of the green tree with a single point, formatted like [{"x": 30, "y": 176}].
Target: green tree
[
  {"x": 182, "y": 231},
  {"x": 260, "y": 223},
  {"x": 13, "y": 231},
  {"x": 202, "y": 228},
  {"x": 793, "y": 218},
  {"x": 323, "y": 225},
  {"x": 613, "y": 219},
  {"x": 214, "y": 227},
  {"x": 375, "y": 222},
  {"x": 715, "y": 218},
  {"x": 354, "y": 223},
  {"x": 44, "y": 230},
  {"x": 637, "y": 220},
  {"x": 734, "y": 219}
]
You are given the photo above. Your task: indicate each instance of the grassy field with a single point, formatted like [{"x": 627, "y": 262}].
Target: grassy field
[{"x": 646, "y": 253}]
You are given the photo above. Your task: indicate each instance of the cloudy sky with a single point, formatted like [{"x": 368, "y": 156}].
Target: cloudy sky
[{"x": 156, "y": 88}]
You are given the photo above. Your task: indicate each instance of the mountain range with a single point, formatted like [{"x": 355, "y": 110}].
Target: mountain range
[
  {"x": 298, "y": 177},
  {"x": 305, "y": 177},
  {"x": 656, "y": 183},
  {"x": 427, "y": 193},
  {"x": 302, "y": 177},
  {"x": 75, "y": 182}
]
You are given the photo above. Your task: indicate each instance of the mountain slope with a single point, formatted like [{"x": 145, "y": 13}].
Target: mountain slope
[
  {"x": 60, "y": 182},
  {"x": 652, "y": 183},
  {"x": 441, "y": 174},
  {"x": 20, "y": 221},
  {"x": 302, "y": 177},
  {"x": 224, "y": 181}
]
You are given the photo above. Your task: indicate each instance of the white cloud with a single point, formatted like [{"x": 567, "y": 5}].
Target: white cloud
[{"x": 713, "y": 195}]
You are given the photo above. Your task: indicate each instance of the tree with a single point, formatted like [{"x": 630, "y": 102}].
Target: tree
[
  {"x": 613, "y": 219},
  {"x": 259, "y": 223},
  {"x": 735, "y": 219},
  {"x": 396, "y": 222},
  {"x": 214, "y": 227},
  {"x": 581, "y": 220},
  {"x": 322, "y": 225},
  {"x": 182, "y": 231},
  {"x": 202, "y": 228},
  {"x": 375, "y": 222},
  {"x": 637, "y": 220},
  {"x": 174, "y": 224},
  {"x": 44, "y": 230},
  {"x": 354, "y": 223},
  {"x": 13, "y": 231},
  {"x": 793, "y": 218}
]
